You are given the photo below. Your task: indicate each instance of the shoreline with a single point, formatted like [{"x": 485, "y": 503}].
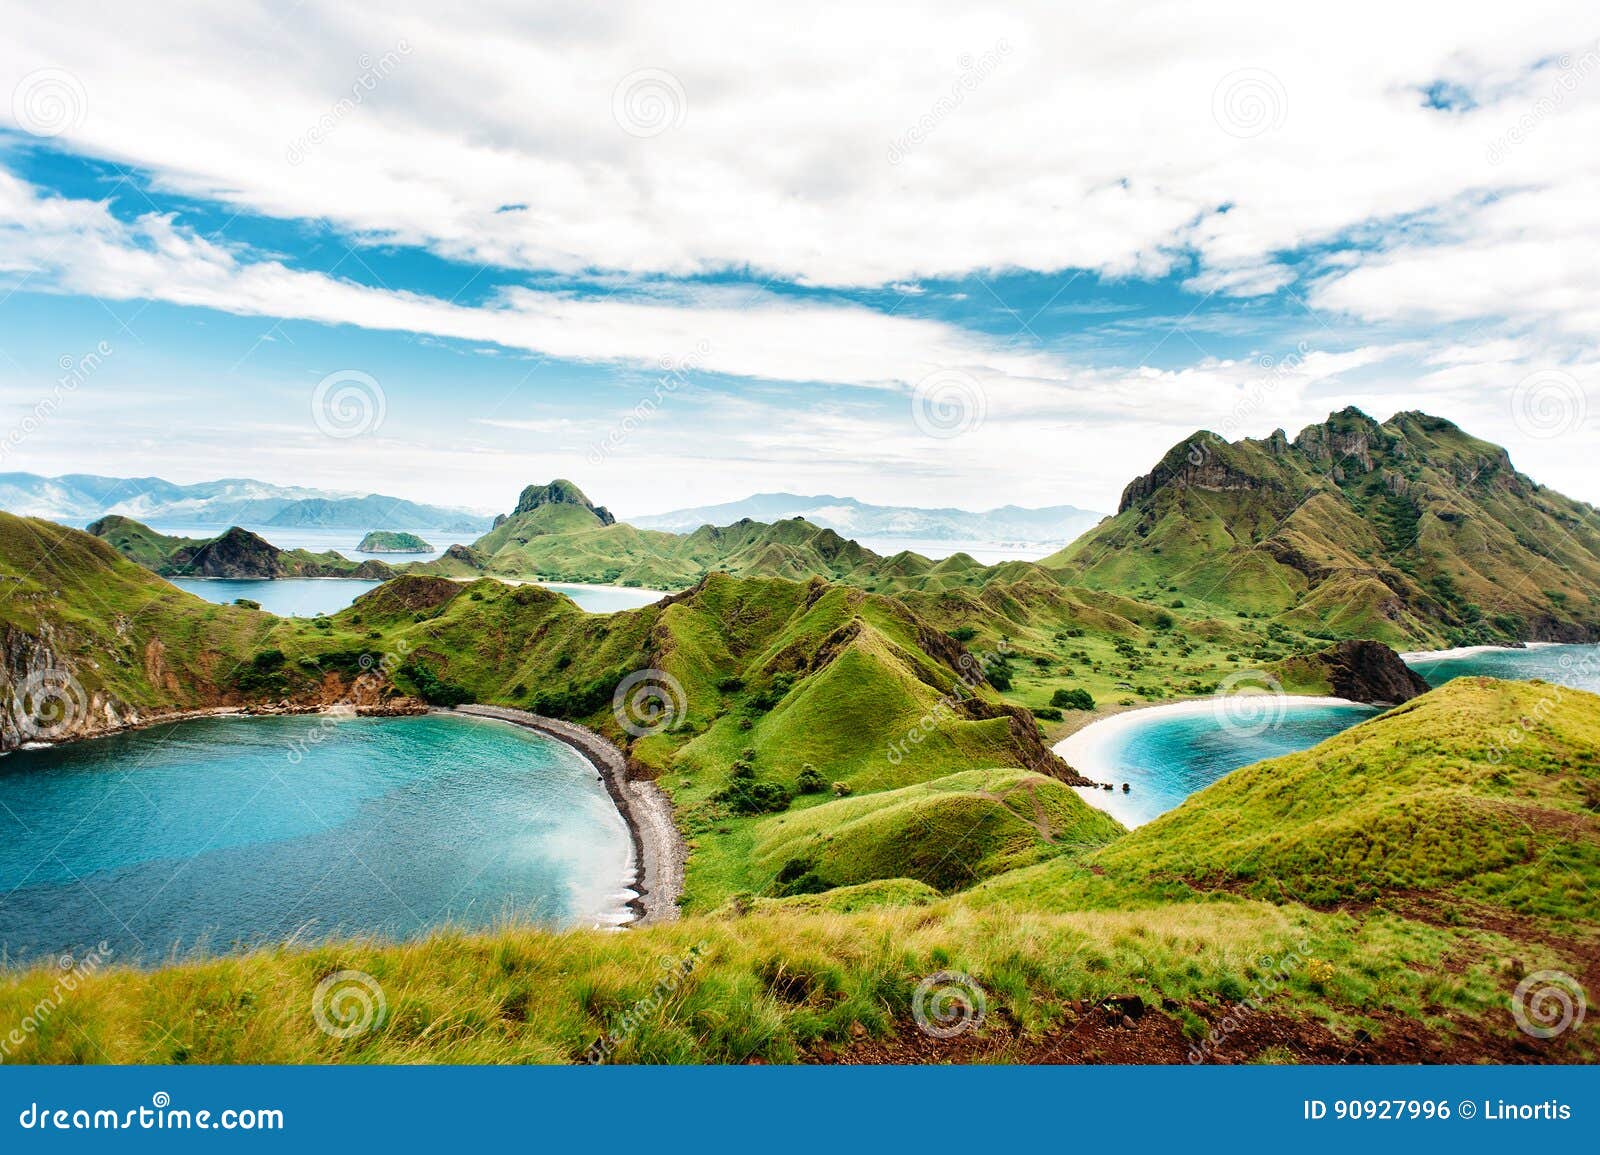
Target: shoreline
[
  {"x": 1468, "y": 651},
  {"x": 1086, "y": 749},
  {"x": 658, "y": 848}
]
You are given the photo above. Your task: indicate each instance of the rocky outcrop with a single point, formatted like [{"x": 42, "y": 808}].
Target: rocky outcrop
[
  {"x": 238, "y": 553},
  {"x": 44, "y": 699},
  {"x": 559, "y": 492},
  {"x": 1369, "y": 672}
]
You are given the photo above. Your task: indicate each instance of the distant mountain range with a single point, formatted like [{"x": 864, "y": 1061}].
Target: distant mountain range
[
  {"x": 77, "y": 498},
  {"x": 1056, "y": 524}
]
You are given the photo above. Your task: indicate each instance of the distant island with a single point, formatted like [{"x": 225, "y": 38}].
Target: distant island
[
  {"x": 387, "y": 541},
  {"x": 76, "y": 498}
]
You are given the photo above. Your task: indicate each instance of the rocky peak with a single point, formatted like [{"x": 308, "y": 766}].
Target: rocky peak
[
  {"x": 559, "y": 492},
  {"x": 1346, "y": 438}
]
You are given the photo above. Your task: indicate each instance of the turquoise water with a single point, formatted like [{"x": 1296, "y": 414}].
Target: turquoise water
[
  {"x": 210, "y": 833},
  {"x": 308, "y": 597},
  {"x": 606, "y": 599},
  {"x": 1168, "y": 758},
  {"x": 286, "y": 597},
  {"x": 1576, "y": 666}
]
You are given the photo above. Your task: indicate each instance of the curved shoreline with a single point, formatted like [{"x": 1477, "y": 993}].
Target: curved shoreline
[
  {"x": 659, "y": 852},
  {"x": 1087, "y": 750}
]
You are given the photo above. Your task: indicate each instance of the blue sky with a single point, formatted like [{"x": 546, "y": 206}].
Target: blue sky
[{"x": 964, "y": 261}]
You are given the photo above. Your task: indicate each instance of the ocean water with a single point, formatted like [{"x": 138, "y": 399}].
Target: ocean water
[
  {"x": 318, "y": 539},
  {"x": 308, "y": 597},
  {"x": 207, "y": 834},
  {"x": 286, "y": 597},
  {"x": 1169, "y": 756},
  {"x": 1576, "y": 666},
  {"x": 1166, "y": 756}
]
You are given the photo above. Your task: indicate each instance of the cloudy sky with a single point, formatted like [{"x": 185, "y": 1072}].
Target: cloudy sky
[{"x": 929, "y": 255}]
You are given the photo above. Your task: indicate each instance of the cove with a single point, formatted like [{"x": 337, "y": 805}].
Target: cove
[
  {"x": 308, "y": 597},
  {"x": 211, "y": 835},
  {"x": 1166, "y": 753}
]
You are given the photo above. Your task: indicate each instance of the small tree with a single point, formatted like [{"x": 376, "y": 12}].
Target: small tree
[{"x": 1076, "y": 698}]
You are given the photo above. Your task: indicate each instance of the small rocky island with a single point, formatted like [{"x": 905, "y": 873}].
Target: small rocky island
[{"x": 387, "y": 541}]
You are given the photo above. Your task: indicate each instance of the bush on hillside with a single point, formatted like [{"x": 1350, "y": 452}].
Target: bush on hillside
[
  {"x": 810, "y": 780},
  {"x": 1076, "y": 698}
]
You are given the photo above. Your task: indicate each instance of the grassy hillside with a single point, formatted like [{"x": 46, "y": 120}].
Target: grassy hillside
[
  {"x": 1410, "y": 532},
  {"x": 236, "y": 553},
  {"x": 132, "y": 642},
  {"x": 1482, "y": 790},
  {"x": 1172, "y": 943}
]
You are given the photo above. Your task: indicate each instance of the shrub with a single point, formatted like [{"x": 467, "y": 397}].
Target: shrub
[
  {"x": 247, "y": 603},
  {"x": 1076, "y": 698},
  {"x": 1048, "y": 713},
  {"x": 963, "y": 633},
  {"x": 999, "y": 679},
  {"x": 810, "y": 780},
  {"x": 433, "y": 689},
  {"x": 842, "y": 789},
  {"x": 745, "y": 795}
]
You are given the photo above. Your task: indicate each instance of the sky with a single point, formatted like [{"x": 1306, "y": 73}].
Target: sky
[{"x": 936, "y": 255}]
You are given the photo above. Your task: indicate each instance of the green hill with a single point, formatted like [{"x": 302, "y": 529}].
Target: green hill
[
  {"x": 1385, "y": 897},
  {"x": 1482, "y": 790},
  {"x": 236, "y": 553},
  {"x": 947, "y": 833},
  {"x": 1410, "y": 532},
  {"x": 388, "y": 541}
]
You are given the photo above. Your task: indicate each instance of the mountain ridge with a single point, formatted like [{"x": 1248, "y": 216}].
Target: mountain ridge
[
  {"x": 848, "y": 515},
  {"x": 80, "y": 497}
]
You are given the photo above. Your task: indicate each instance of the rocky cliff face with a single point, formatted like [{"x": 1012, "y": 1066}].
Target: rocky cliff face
[
  {"x": 1370, "y": 672},
  {"x": 44, "y": 699}
]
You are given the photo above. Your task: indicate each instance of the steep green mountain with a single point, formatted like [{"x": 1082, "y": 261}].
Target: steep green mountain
[
  {"x": 237, "y": 553},
  {"x": 386, "y": 541},
  {"x": 556, "y": 533},
  {"x": 1410, "y": 531}
]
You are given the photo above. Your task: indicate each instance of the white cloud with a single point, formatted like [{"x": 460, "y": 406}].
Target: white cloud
[{"x": 1095, "y": 142}]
